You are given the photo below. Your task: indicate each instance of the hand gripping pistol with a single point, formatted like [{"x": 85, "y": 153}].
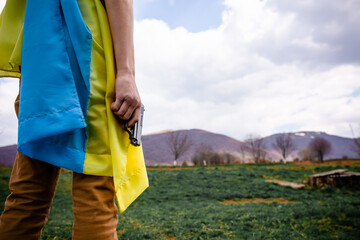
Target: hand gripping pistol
[{"x": 135, "y": 131}]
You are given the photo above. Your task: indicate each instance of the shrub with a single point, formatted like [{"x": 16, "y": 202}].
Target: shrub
[{"x": 212, "y": 158}]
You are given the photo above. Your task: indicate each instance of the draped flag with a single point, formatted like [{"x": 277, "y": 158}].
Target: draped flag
[{"x": 65, "y": 51}]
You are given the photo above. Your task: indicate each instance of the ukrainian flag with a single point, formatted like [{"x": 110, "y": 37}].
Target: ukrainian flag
[{"x": 65, "y": 51}]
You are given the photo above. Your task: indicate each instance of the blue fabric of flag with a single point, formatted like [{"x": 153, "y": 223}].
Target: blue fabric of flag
[{"x": 56, "y": 57}]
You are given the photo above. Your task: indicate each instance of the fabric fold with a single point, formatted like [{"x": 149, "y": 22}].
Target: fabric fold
[
  {"x": 11, "y": 25},
  {"x": 48, "y": 94},
  {"x": 66, "y": 55},
  {"x": 80, "y": 36}
]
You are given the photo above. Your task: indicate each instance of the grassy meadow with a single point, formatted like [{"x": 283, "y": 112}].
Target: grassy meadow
[{"x": 224, "y": 202}]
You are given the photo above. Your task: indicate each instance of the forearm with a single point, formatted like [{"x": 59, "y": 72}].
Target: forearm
[
  {"x": 121, "y": 20},
  {"x": 127, "y": 102}
]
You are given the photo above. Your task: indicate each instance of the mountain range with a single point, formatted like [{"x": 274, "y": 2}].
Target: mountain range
[
  {"x": 156, "y": 147},
  {"x": 157, "y": 151}
]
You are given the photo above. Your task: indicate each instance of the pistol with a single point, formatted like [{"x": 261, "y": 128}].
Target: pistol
[{"x": 135, "y": 131}]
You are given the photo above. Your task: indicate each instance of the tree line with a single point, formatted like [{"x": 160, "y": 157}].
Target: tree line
[{"x": 251, "y": 149}]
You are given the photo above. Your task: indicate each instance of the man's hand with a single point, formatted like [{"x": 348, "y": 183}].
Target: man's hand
[{"x": 127, "y": 104}]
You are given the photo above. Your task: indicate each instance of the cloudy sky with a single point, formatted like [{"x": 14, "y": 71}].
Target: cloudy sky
[{"x": 240, "y": 66}]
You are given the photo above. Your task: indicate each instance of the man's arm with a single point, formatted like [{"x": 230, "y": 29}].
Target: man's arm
[{"x": 127, "y": 102}]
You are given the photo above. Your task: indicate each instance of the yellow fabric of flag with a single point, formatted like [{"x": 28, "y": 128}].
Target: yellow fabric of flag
[{"x": 108, "y": 149}]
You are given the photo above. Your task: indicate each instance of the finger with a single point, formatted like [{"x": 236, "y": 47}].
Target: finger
[
  {"x": 135, "y": 117},
  {"x": 129, "y": 112},
  {"x": 115, "y": 105},
  {"x": 122, "y": 110}
]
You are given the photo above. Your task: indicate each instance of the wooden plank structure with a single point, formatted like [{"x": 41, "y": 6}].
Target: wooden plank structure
[
  {"x": 285, "y": 183},
  {"x": 336, "y": 178}
]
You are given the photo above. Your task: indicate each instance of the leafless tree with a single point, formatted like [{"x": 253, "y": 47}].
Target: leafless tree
[
  {"x": 202, "y": 154},
  {"x": 243, "y": 149},
  {"x": 306, "y": 155},
  {"x": 179, "y": 143},
  {"x": 205, "y": 155},
  {"x": 204, "y": 148},
  {"x": 256, "y": 147},
  {"x": 284, "y": 144},
  {"x": 320, "y": 147},
  {"x": 356, "y": 146},
  {"x": 356, "y": 139}
]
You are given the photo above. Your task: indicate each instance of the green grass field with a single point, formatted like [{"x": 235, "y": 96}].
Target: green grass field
[{"x": 185, "y": 203}]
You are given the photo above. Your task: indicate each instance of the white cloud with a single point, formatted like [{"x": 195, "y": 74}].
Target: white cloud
[
  {"x": 9, "y": 89},
  {"x": 2, "y": 4},
  {"x": 271, "y": 66},
  {"x": 262, "y": 70}
]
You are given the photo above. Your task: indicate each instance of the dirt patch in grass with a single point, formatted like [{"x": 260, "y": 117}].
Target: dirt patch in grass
[
  {"x": 169, "y": 237},
  {"x": 274, "y": 167},
  {"x": 288, "y": 168},
  {"x": 171, "y": 168},
  {"x": 297, "y": 168},
  {"x": 350, "y": 162},
  {"x": 257, "y": 200},
  {"x": 225, "y": 168},
  {"x": 163, "y": 168},
  {"x": 285, "y": 183},
  {"x": 168, "y": 169},
  {"x": 271, "y": 177}
]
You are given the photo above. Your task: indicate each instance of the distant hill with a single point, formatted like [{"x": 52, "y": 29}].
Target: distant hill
[
  {"x": 156, "y": 149},
  {"x": 340, "y": 146},
  {"x": 7, "y": 155}
]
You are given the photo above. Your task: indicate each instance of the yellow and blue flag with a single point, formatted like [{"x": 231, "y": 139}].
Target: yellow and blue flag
[{"x": 65, "y": 52}]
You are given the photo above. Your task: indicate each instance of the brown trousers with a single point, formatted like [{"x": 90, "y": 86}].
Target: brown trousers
[{"x": 32, "y": 186}]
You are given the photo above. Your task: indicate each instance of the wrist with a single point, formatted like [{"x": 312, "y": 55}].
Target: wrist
[
  {"x": 125, "y": 69},
  {"x": 126, "y": 75}
]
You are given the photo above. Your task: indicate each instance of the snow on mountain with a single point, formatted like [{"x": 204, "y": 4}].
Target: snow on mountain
[{"x": 341, "y": 146}]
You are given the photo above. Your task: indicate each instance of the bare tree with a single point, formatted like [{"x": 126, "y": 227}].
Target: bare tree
[
  {"x": 179, "y": 143},
  {"x": 356, "y": 146},
  {"x": 204, "y": 148},
  {"x": 206, "y": 156},
  {"x": 356, "y": 139},
  {"x": 284, "y": 144},
  {"x": 243, "y": 149},
  {"x": 256, "y": 147},
  {"x": 306, "y": 155},
  {"x": 202, "y": 154},
  {"x": 320, "y": 147}
]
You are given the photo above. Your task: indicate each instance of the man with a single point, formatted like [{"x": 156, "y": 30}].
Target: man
[{"x": 73, "y": 100}]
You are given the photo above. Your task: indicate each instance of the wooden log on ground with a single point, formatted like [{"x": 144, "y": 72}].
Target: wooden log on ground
[{"x": 336, "y": 178}]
